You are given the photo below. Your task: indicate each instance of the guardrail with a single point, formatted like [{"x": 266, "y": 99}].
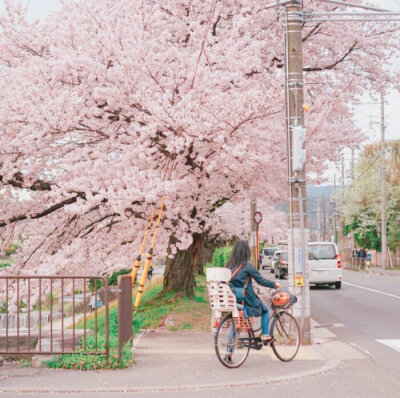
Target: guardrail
[{"x": 50, "y": 314}]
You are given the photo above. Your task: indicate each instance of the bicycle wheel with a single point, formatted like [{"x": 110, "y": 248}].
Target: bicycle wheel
[
  {"x": 286, "y": 334},
  {"x": 230, "y": 351}
]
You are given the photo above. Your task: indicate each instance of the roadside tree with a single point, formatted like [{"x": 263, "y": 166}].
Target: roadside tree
[{"x": 104, "y": 98}]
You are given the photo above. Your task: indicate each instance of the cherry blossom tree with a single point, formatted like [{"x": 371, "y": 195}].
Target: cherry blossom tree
[{"x": 107, "y": 106}]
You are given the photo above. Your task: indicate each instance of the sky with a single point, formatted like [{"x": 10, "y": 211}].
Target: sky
[{"x": 368, "y": 114}]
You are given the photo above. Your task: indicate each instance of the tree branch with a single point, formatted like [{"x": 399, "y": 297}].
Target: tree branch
[
  {"x": 44, "y": 213},
  {"x": 333, "y": 65},
  {"x": 18, "y": 182}
]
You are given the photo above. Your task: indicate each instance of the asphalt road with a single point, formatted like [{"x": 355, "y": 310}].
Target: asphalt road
[{"x": 365, "y": 313}]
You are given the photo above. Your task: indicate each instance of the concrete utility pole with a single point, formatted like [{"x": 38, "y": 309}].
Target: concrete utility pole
[
  {"x": 297, "y": 239},
  {"x": 323, "y": 219},
  {"x": 352, "y": 164},
  {"x": 383, "y": 183},
  {"x": 342, "y": 179},
  {"x": 318, "y": 220},
  {"x": 334, "y": 209}
]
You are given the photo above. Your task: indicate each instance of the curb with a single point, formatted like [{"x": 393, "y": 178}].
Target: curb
[
  {"x": 136, "y": 340},
  {"x": 328, "y": 366}
]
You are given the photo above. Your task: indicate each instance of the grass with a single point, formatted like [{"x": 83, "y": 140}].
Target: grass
[
  {"x": 175, "y": 312},
  {"x": 6, "y": 262},
  {"x": 172, "y": 311}
]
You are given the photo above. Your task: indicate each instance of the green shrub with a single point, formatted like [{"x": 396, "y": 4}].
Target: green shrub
[
  {"x": 4, "y": 307},
  {"x": 22, "y": 304},
  {"x": 93, "y": 287},
  {"x": 221, "y": 256},
  {"x": 12, "y": 249},
  {"x": 92, "y": 362},
  {"x": 113, "y": 279}
]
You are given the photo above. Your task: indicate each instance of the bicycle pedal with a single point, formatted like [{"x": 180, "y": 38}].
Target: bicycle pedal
[{"x": 267, "y": 342}]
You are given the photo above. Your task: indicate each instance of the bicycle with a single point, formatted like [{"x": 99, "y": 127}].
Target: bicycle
[{"x": 235, "y": 336}]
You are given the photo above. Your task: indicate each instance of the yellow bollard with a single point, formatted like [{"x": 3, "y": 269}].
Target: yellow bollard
[
  {"x": 136, "y": 267},
  {"x": 148, "y": 259}
]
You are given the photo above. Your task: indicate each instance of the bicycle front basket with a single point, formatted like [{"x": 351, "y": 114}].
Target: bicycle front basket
[{"x": 282, "y": 299}]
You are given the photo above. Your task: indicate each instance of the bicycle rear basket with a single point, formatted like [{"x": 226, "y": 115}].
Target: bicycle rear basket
[{"x": 243, "y": 323}]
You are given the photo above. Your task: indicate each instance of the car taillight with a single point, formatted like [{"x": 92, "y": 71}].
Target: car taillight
[{"x": 339, "y": 261}]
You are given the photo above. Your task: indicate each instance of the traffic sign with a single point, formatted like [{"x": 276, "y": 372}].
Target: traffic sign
[
  {"x": 257, "y": 217},
  {"x": 299, "y": 280}
]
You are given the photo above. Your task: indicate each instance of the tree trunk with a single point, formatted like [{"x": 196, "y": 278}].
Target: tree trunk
[
  {"x": 179, "y": 270},
  {"x": 182, "y": 268},
  {"x": 199, "y": 246}
]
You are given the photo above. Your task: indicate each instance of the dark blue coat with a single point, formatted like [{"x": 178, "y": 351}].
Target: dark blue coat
[{"x": 254, "y": 306}]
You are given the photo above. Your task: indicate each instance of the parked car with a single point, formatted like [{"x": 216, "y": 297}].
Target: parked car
[
  {"x": 281, "y": 265},
  {"x": 267, "y": 253},
  {"x": 325, "y": 264}
]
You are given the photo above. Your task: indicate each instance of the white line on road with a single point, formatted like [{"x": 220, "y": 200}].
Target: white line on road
[
  {"x": 361, "y": 349},
  {"x": 372, "y": 290},
  {"x": 392, "y": 343}
]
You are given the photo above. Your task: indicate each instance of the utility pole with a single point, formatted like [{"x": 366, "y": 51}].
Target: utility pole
[
  {"x": 318, "y": 220},
  {"x": 352, "y": 164},
  {"x": 342, "y": 179},
  {"x": 334, "y": 209},
  {"x": 297, "y": 239},
  {"x": 383, "y": 182},
  {"x": 323, "y": 218}
]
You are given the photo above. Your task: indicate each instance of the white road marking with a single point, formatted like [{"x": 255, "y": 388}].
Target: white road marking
[
  {"x": 331, "y": 325},
  {"x": 361, "y": 349},
  {"x": 372, "y": 290},
  {"x": 339, "y": 325},
  {"x": 392, "y": 343}
]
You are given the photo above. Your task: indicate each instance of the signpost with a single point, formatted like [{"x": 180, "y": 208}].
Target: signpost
[{"x": 257, "y": 218}]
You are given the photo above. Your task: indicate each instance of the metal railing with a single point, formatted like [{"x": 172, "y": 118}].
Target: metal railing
[{"x": 50, "y": 315}]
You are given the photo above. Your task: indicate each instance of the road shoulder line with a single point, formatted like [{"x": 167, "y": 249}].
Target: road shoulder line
[{"x": 371, "y": 290}]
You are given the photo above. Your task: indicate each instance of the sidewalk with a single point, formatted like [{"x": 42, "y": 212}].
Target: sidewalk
[
  {"x": 377, "y": 270},
  {"x": 383, "y": 272},
  {"x": 167, "y": 361}
]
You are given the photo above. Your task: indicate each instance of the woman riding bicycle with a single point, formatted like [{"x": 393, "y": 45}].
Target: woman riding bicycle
[{"x": 243, "y": 272}]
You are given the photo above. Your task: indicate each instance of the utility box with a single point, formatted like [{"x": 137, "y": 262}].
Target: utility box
[{"x": 298, "y": 153}]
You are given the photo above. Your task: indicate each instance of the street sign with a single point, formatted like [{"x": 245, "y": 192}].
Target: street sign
[
  {"x": 299, "y": 280},
  {"x": 298, "y": 260},
  {"x": 257, "y": 217}
]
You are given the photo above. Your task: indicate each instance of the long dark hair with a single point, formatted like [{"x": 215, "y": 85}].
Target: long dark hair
[{"x": 240, "y": 255}]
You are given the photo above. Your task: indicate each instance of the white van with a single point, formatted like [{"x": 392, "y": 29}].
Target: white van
[
  {"x": 266, "y": 257},
  {"x": 325, "y": 264}
]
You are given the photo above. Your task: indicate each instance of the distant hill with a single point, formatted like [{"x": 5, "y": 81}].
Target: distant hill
[{"x": 319, "y": 190}]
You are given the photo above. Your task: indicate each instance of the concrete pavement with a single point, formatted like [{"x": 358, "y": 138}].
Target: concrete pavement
[
  {"x": 383, "y": 272},
  {"x": 172, "y": 361}
]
